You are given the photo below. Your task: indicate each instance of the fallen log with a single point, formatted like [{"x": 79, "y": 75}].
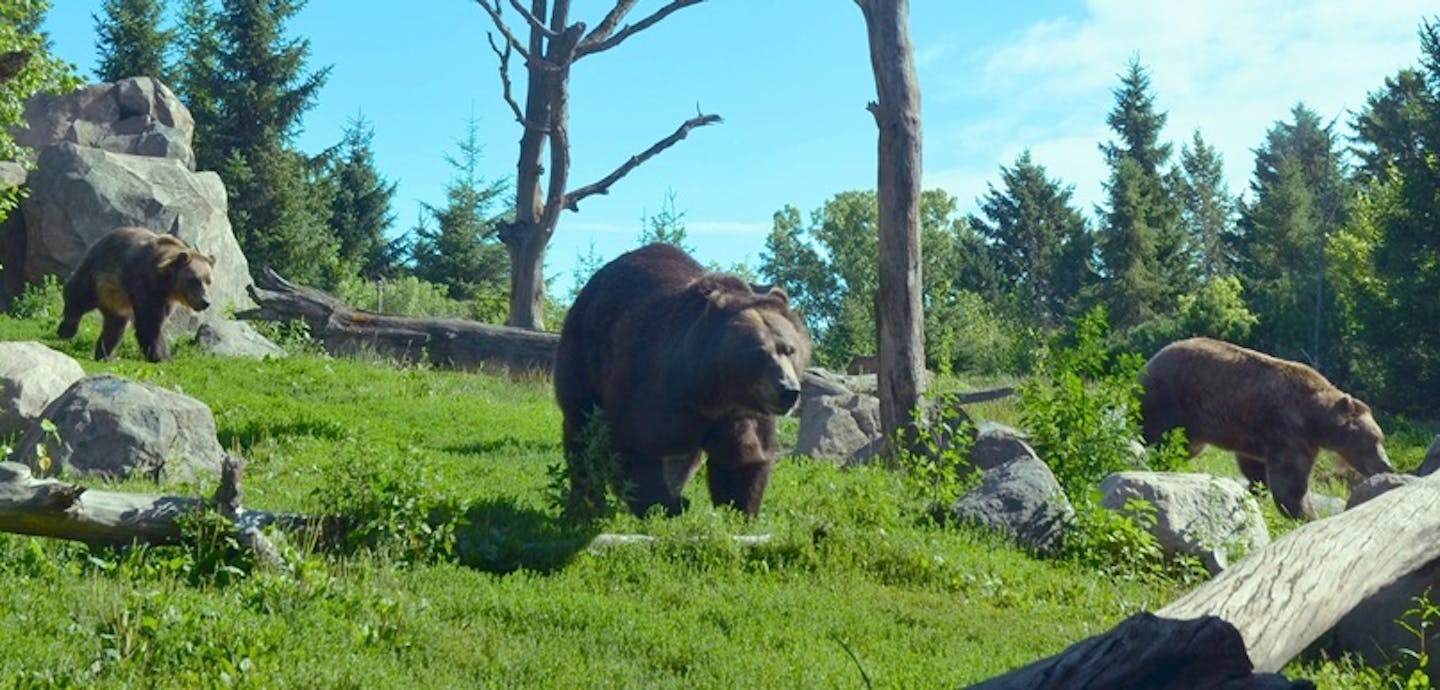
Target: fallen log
[
  {"x": 59, "y": 509},
  {"x": 1276, "y": 601},
  {"x": 448, "y": 343}
]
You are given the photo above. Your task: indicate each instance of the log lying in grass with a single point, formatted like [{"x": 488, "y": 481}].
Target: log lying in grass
[
  {"x": 450, "y": 343},
  {"x": 609, "y": 540},
  {"x": 1275, "y": 602},
  {"x": 54, "y": 508}
]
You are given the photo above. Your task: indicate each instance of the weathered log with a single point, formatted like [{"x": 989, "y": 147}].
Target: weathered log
[
  {"x": 1298, "y": 587},
  {"x": 54, "y": 508},
  {"x": 449, "y": 343},
  {"x": 609, "y": 540},
  {"x": 1145, "y": 651}
]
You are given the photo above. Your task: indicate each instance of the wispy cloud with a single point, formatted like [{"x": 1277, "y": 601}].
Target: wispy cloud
[
  {"x": 725, "y": 227},
  {"x": 1230, "y": 68}
]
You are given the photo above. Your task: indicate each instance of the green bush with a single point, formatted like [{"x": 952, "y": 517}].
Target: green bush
[{"x": 45, "y": 301}]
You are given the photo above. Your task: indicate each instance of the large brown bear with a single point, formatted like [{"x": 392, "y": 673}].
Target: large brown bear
[
  {"x": 678, "y": 360},
  {"x": 135, "y": 273},
  {"x": 1274, "y": 414}
]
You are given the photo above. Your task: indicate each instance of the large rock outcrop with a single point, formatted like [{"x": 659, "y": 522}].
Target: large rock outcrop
[
  {"x": 139, "y": 116},
  {"x": 31, "y": 376}
]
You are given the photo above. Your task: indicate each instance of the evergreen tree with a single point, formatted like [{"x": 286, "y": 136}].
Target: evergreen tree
[
  {"x": 667, "y": 225},
  {"x": 1299, "y": 201},
  {"x": 196, "y": 72},
  {"x": 462, "y": 251},
  {"x": 129, "y": 40},
  {"x": 360, "y": 205},
  {"x": 1040, "y": 244},
  {"x": 278, "y": 214},
  {"x": 1143, "y": 250},
  {"x": 1398, "y": 134},
  {"x": 1207, "y": 208}
]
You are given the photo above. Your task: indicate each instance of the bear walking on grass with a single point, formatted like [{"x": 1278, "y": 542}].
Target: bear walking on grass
[
  {"x": 139, "y": 274},
  {"x": 678, "y": 360},
  {"x": 1274, "y": 414}
]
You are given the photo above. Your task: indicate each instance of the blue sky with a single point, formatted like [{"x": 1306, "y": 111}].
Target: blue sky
[{"x": 792, "y": 77}]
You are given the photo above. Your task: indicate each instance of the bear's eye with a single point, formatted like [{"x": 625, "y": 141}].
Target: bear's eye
[{"x": 784, "y": 349}]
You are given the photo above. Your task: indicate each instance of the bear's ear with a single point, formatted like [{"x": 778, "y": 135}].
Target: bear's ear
[
  {"x": 174, "y": 261},
  {"x": 1350, "y": 407},
  {"x": 778, "y": 293},
  {"x": 719, "y": 298}
]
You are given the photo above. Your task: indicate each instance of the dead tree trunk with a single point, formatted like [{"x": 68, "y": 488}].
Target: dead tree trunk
[
  {"x": 448, "y": 343},
  {"x": 552, "y": 46},
  {"x": 898, "y": 305},
  {"x": 53, "y": 508}
]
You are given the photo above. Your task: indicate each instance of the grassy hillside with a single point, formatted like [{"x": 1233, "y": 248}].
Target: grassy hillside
[{"x": 856, "y": 588}]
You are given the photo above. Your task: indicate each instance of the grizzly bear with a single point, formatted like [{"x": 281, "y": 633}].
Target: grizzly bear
[
  {"x": 1274, "y": 414},
  {"x": 678, "y": 360},
  {"x": 135, "y": 273}
]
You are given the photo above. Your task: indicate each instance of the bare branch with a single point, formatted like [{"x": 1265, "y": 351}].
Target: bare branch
[
  {"x": 536, "y": 23},
  {"x": 572, "y": 198},
  {"x": 597, "y": 42},
  {"x": 494, "y": 12},
  {"x": 504, "y": 57},
  {"x": 611, "y": 20}
]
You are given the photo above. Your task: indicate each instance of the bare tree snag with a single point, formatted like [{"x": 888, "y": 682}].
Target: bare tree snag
[
  {"x": 550, "y": 47},
  {"x": 898, "y": 304},
  {"x": 53, "y": 508},
  {"x": 448, "y": 343}
]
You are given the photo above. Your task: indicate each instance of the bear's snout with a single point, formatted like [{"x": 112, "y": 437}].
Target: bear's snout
[
  {"x": 789, "y": 395},
  {"x": 201, "y": 304}
]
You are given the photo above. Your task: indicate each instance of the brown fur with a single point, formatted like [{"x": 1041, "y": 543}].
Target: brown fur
[
  {"x": 139, "y": 274},
  {"x": 679, "y": 360},
  {"x": 1274, "y": 414}
]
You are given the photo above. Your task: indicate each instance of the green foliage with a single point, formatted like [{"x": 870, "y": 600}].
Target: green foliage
[
  {"x": 1039, "y": 242},
  {"x": 588, "y": 485},
  {"x": 829, "y": 268},
  {"x": 1145, "y": 255},
  {"x": 936, "y": 461},
  {"x": 1411, "y": 672},
  {"x": 393, "y": 509},
  {"x": 968, "y": 334},
  {"x": 462, "y": 251},
  {"x": 1217, "y": 310},
  {"x": 1119, "y": 544},
  {"x": 129, "y": 40},
  {"x": 667, "y": 225},
  {"x": 360, "y": 202},
  {"x": 1300, "y": 199},
  {"x": 20, "y": 22},
  {"x": 1207, "y": 208},
  {"x": 45, "y": 301},
  {"x": 1080, "y": 407}
]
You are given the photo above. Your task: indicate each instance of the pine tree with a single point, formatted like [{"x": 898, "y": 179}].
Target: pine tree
[
  {"x": 666, "y": 225},
  {"x": 279, "y": 215},
  {"x": 463, "y": 251},
  {"x": 1040, "y": 243},
  {"x": 1208, "y": 209},
  {"x": 1299, "y": 201},
  {"x": 196, "y": 72},
  {"x": 129, "y": 40},
  {"x": 1143, "y": 252},
  {"x": 360, "y": 205}
]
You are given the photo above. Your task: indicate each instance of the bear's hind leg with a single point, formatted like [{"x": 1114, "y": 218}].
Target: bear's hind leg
[
  {"x": 80, "y": 299},
  {"x": 110, "y": 332},
  {"x": 649, "y": 486},
  {"x": 741, "y": 455},
  {"x": 1252, "y": 467}
]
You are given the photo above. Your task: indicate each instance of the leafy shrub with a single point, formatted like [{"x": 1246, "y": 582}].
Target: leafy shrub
[
  {"x": 1080, "y": 407},
  {"x": 937, "y": 465},
  {"x": 967, "y": 334},
  {"x": 589, "y": 485},
  {"x": 412, "y": 296},
  {"x": 390, "y": 509},
  {"x": 1119, "y": 543},
  {"x": 43, "y": 301}
]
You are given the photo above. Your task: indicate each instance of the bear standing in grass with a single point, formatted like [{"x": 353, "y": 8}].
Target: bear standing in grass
[
  {"x": 135, "y": 273},
  {"x": 678, "y": 360},
  {"x": 1274, "y": 414}
]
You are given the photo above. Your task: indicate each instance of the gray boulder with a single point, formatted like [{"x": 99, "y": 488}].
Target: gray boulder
[
  {"x": 12, "y": 174},
  {"x": 1375, "y": 485},
  {"x": 139, "y": 116},
  {"x": 1432, "y": 460},
  {"x": 844, "y": 428},
  {"x": 1371, "y": 629},
  {"x": 1214, "y": 519},
  {"x": 1022, "y": 498},
  {"x": 997, "y": 443},
  {"x": 114, "y": 428},
  {"x": 31, "y": 376},
  {"x": 235, "y": 339},
  {"x": 78, "y": 195}
]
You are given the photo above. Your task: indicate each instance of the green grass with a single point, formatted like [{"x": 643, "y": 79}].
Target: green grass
[{"x": 855, "y": 583}]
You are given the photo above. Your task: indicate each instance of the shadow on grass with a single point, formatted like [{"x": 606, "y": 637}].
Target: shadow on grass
[
  {"x": 252, "y": 433},
  {"x": 501, "y": 537},
  {"x": 505, "y": 444}
]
